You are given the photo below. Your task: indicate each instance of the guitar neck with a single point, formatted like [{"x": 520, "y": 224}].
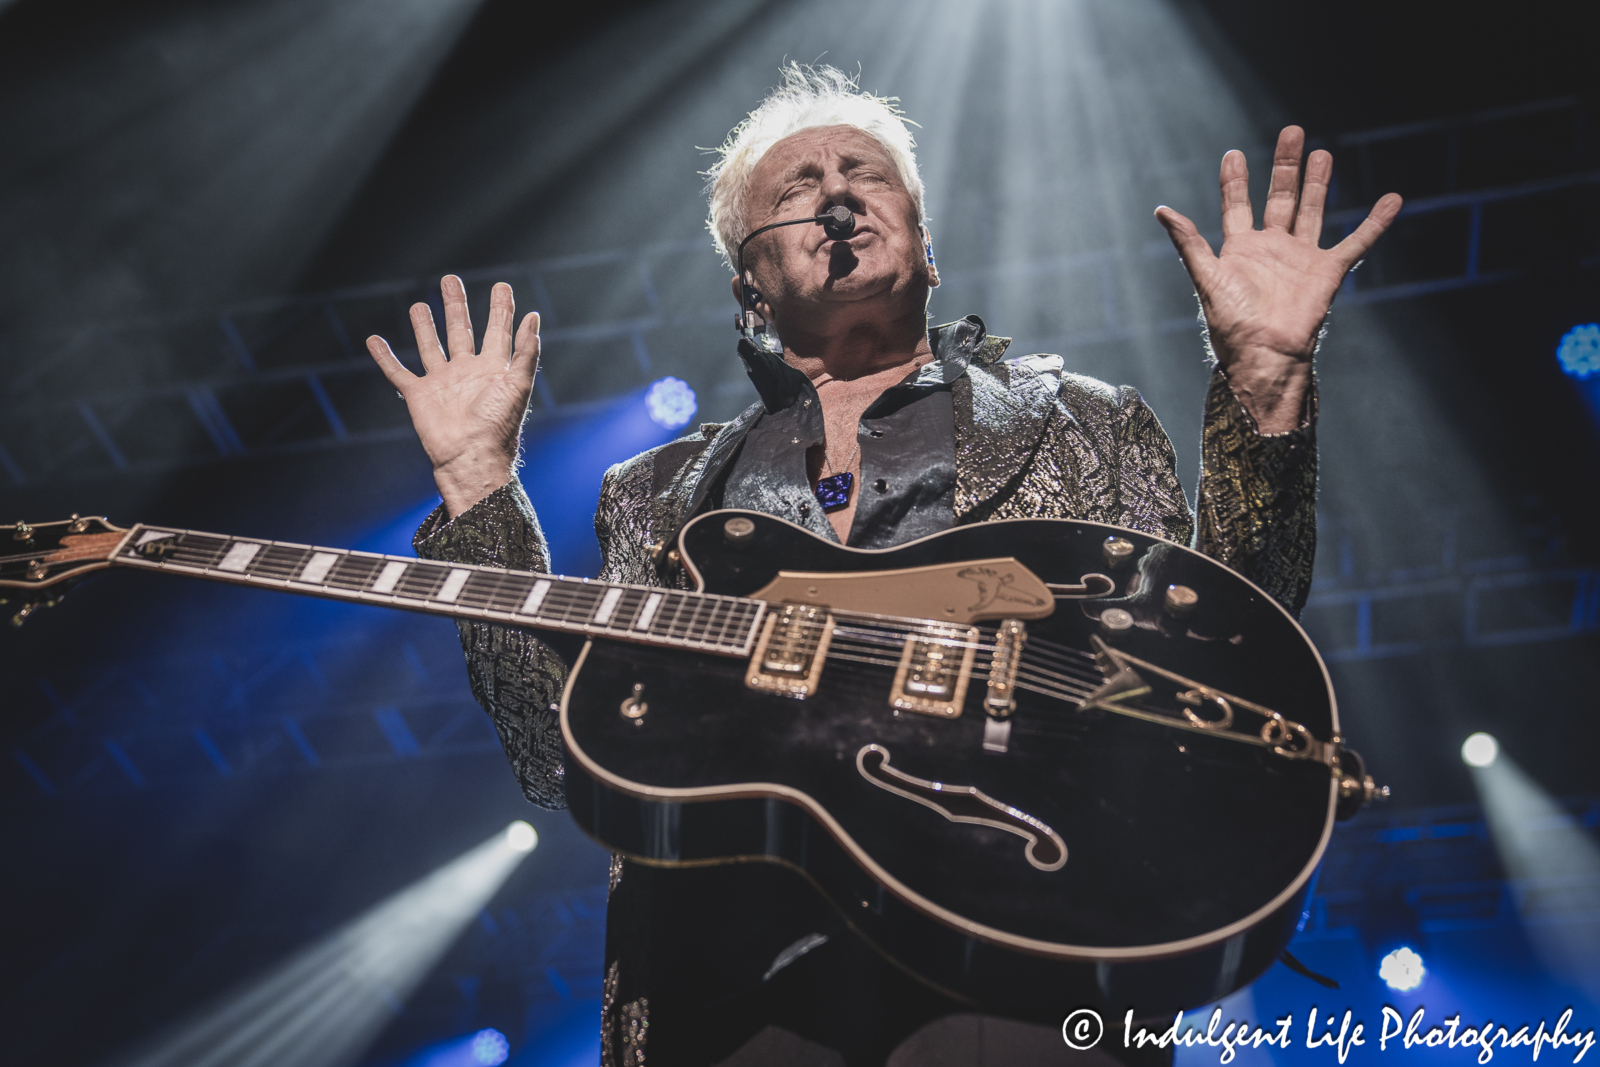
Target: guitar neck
[{"x": 720, "y": 625}]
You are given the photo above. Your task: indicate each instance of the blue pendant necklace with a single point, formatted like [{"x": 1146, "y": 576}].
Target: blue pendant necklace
[{"x": 833, "y": 492}]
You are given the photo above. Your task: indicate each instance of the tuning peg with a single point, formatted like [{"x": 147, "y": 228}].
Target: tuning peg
[
  {"x": 22, "y": 532},
  {"x": 32, "y": 606}
]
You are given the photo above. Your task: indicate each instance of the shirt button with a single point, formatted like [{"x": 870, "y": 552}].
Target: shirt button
[
  {"x": 794, "y": 440},
  {"x": 881, "y": 486}
]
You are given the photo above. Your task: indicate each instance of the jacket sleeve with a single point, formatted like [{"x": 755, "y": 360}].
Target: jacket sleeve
[
  {"x": 1258, "y": 495},
  {"x": 515, "y": 676}
]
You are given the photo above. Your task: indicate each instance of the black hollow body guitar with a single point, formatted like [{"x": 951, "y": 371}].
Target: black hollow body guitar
[{"x": 1039, "y": 763}]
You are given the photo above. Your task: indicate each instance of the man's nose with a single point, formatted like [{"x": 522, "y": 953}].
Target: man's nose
[{"x": 836, "y": 189}]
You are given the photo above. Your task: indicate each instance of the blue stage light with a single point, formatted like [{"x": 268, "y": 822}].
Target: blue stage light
[
  {"x": 490, "y": 1048},
  {"x": 671, "y": 403},
  {"x": 1579, "y": 351},
  {"x": 1402, "y": 969}
]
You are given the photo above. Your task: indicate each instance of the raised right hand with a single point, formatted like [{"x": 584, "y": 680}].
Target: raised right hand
[{"x": 467, "y": 408}]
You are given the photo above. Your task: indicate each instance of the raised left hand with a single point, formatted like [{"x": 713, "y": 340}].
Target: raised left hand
[{"x": 1266, "y": 295}]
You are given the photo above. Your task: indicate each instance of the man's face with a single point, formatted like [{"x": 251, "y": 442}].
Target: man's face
[{"x": 801, "y": 272}]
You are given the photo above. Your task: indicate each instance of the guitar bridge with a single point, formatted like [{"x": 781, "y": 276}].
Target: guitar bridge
[
  {"x": 934, "y": 670},
  {"x": 1001, "y": 699},
  {"x": 791, "y": 650}
]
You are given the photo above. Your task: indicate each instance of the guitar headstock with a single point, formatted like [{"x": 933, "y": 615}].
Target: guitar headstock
[{"x": 37, "y": 562}]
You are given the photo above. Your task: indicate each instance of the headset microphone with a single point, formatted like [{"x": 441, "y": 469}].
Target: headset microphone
[{"x": 838, "y": 222}]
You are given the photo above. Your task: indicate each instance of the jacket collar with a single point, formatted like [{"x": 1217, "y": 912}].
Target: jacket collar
[
  {"x": 956, "y": 345},
  {"x": 1000, "y": 414}
]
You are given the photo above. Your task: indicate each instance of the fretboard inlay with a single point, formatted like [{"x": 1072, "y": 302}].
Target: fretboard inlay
[{"x": 717, "y": 624}]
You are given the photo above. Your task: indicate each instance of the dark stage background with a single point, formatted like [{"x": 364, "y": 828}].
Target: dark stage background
[{"x": 205, "y": 207}]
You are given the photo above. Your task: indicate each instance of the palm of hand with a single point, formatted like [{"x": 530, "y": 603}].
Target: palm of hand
[
  {"x": 468, "y": 407},
  {"x": 1269, "y": 290}
]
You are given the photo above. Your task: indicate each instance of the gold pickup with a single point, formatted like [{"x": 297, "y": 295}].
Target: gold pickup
[
  {"x": 934, "y": 670},
  {"x": 791, "y": 650}
]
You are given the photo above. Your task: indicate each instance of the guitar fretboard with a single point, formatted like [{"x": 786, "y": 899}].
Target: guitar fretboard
[{"x": 718, "y": 624}]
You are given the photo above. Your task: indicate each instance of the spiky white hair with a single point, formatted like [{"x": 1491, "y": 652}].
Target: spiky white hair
[{"x": 808, "y": 97}]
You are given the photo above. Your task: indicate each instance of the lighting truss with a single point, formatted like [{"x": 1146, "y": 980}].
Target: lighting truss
[{"x": 284, "y": 376}]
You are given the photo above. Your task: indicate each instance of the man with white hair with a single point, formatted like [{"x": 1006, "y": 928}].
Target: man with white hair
[{"x": 872, "y": 429}]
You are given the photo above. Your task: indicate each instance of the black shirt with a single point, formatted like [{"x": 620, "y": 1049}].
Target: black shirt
[{"x": 908, "y": 453}]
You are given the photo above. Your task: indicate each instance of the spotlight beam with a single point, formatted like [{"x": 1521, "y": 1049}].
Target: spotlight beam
[
  {"x": 1542, "y": 846},
  {"x": 324, "y": 1005}
]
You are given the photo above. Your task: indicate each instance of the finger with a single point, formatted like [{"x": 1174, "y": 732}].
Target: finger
[
  {"x": 1237, "y": 216},
  {"x": 1193, "y": 249},
  {"x": 1314, "y": 197},
  {"x": 457, "y": 319},
  {"x": 525, "y": 359},
  {"x": 389, "y": 363},
  {"x": 1283, "y": 190},
  {"x": 1350, "y": 250},
  {"x": 497, "y": 331},
  {"x": 427, "y": 337}
]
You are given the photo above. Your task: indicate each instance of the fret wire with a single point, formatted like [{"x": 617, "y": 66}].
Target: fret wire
[
  {"x": 422, "y": 581},
  {"x": 665, "y": 624},
  {"x": 195, "y": 543},
  {"x": 557, "y": 601},
  {"x": 677, "y": 624},
  {"x": 724, "y": 609},
  {"x": 486, "y": 599},
  {"x": 186, "y": 540},
  {"x": 354, "y": 572},
  {"x": 679, "y": 601},
  {"x": 492, "y": 601},
  {"x": 631, "y": 607},
  {"x": 694, "y": 617},
  {"x": 270, "y": 558},
  {"x": 683, "y": 619},
  {"x": 620, "y": 612},
  {"x": 566, "y": 611},
  {"x": 732, "y": 633},
  {"x": 717, "y": 623},
  {"x": 667, "y": 621},
  {"x": 588, "y": 612}
]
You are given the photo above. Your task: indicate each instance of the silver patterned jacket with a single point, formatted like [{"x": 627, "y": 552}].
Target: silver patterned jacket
[{"x": 1031, "y": 442}]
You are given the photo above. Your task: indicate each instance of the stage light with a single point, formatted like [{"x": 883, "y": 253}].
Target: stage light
[
  {"x": 520, "y": 837},
  {"x": 1552, "y": 866},
  {"x": 490, "y": 1047},
  {"x": 1579, "y": 351},
  {"x": 324, "y": 1005},
  {"x": 1480, "y": 750},
  {"x": 671, "y": 403},
  {"x": 1402, "y": 969}
]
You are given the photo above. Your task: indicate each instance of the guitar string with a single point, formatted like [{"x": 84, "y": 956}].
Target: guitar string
[
  {"x": 421, "y": 581},
  {"x": 423, "y": 578},
  {"x": 427, "y": 577}
]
